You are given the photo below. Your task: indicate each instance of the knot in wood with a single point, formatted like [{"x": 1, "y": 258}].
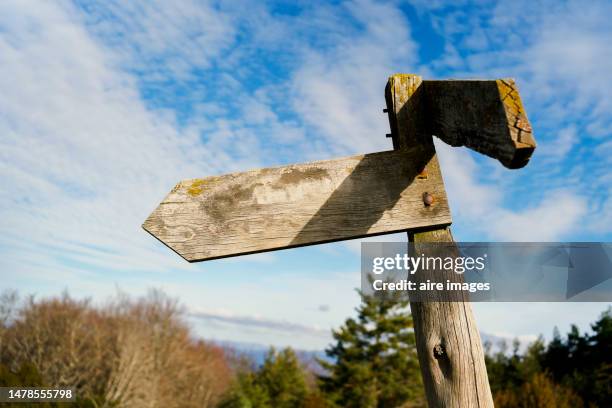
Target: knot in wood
[
  {"x": 428, "y": 199},
  {"x": 438, "y": 351}
]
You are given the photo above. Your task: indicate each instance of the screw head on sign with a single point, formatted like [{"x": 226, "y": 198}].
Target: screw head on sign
[{"x": 428, "y": 199}]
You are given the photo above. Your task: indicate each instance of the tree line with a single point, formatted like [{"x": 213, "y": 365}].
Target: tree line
[{"x": 142, "y": 353}]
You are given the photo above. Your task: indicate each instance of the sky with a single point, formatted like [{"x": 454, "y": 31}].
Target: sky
[{"x": 105, "y": 106}]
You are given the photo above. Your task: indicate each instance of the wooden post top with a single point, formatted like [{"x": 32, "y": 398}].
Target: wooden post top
[{"x": 485, "y": 115}]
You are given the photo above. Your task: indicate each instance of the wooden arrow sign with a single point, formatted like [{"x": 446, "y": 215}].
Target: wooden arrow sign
[{"x": 301, "y": 204}]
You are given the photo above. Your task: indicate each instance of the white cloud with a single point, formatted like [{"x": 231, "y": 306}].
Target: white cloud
[
  {"x": 601, "y": 219},
  {"x": 339, "y": 92},
  {"x": 164, "y": 40},
  {"x": 257, "y": 329},
  {"x": 570, "y": 62},
  {"x": 556, "y": 217},
  {"x": 480, "y": 206},
  {"x": 272, "y": 308},
  {"x": 566, "y": 139},
  {"x": 527, "y": 320},
  {"x": 83, "y": 160}
]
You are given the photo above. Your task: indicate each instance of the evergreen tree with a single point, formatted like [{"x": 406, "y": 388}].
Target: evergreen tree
[
  {"x": 280, "y": 383},
  {"x": 283, "y": 378},
  {"x": 568, "y": 371},
  {"x": 374, "y": 361},
  {"x": 556, "y": 358},
  {"x": 246, "y": 393},
  {"x": 593, "y": 362}
]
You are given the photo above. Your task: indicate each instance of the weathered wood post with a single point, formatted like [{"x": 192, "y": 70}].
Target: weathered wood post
[{"x": 448, "y": 343}]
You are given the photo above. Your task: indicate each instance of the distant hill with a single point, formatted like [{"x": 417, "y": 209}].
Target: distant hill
[{"x": 256, "y": 352}]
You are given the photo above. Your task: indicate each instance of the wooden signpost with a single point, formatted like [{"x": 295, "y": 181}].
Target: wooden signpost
[{"x": 371, "y": 194}]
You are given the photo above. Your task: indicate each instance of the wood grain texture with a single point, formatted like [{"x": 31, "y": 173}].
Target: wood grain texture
[
  {"x": 302, "y": 204},
  {"x": 448, "y": 343},
  {"x": 450, "y": 350}
]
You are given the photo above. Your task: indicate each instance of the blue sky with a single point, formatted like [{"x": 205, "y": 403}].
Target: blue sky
[{"x": 105, "y": 106}]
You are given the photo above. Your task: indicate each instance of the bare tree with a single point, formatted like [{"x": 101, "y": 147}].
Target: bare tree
[{"x": 129, "y": 353}]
